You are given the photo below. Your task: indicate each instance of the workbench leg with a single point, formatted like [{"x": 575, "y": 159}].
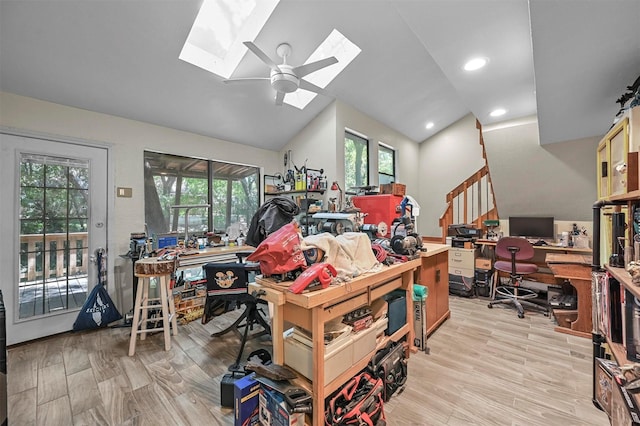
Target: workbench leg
[
  {"x": 317, "y": 337},
  {"x": 407, "y": 284},
  {"x": 277, "y": 328}
]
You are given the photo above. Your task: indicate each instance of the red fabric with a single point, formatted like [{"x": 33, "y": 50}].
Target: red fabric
[{"x": 280, "y": 252}]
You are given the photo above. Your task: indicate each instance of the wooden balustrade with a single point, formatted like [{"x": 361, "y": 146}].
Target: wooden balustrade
[
  {"x": 50, "y": 250},
  {"x": 473, "y": 201}
]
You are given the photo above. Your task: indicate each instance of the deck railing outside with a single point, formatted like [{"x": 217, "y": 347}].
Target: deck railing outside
[{"x": 46, "y": 258}]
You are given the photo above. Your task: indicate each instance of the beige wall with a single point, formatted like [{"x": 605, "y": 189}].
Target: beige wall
[
  {"x": 322, "y": 143},
  {"x": 128, "y": 139},
  {"x": 445, "y": 161},
  {"x": 556, "y": 180},
  {"x": 406, "y": 149},
  {"x": 528, "y": 179}
]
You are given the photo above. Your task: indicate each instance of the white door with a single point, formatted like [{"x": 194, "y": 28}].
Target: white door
[{"x": 53, "y": 216}]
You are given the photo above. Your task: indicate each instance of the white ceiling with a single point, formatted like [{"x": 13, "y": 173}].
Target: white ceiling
[{"x": 566, "y": 60}]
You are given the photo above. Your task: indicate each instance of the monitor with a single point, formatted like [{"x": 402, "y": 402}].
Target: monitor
[{"x": 532, "y": 227}]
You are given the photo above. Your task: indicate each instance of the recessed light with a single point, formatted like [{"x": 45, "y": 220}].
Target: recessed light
[
  {"x": 429, "y": 125},
  {"x": 498, "y": 112},
  {"x": 475, "y": 64}
]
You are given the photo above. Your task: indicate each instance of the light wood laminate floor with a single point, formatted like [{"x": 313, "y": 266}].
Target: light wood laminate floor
[{"x": 485, "y": 367}]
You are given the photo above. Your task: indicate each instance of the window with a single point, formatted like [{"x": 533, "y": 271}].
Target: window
[
  {"x": 386, "y": 164},
  {"x": 356, "y": 161},
  {"x": 171, "y": 180}
]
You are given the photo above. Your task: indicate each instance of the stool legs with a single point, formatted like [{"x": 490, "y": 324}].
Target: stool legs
[{"x": 142, "y": 308}]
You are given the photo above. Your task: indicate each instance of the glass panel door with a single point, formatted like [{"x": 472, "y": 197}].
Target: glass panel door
[
  {"x": 54, "y": 208},
  {"x": 54, "y": 217}
]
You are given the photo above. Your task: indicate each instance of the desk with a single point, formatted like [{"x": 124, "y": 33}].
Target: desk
[
  {"x": 576, "y": 268},
  {"x": 312, "y": 310},
  {"x": 539, "y": 258}
]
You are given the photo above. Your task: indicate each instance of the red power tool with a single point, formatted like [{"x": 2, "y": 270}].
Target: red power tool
[{"x": 320, "y": 272}]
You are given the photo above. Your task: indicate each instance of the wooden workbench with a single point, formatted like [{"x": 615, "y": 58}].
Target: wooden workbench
[
  {"x": 575, "y": 268},
  {"x": 311, "y": 310}
]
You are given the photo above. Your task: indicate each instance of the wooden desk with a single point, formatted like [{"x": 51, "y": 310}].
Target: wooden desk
[
  {"x": 312, "y": 310},
  {"x": 539, "y": 258},
  {"x": 576, "y": 268}
]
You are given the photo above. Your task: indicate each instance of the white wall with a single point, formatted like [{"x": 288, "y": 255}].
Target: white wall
[
  {"x": 128, "y": 140},
  {"x": 445, "y": 161}
]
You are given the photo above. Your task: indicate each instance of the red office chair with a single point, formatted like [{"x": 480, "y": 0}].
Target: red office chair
[{"x": 516, "y": 250}]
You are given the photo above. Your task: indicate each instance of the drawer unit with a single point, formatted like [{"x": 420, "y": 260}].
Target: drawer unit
[
  {"x": 462, "y": 258},
  {"x": 464, "y": 272}
]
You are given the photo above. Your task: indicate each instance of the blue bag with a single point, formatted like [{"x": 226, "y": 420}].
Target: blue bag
[{"x": 98, "y": 310}]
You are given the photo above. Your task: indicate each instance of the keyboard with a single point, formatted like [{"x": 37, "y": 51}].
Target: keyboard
[{"x": 564, "y": 301}]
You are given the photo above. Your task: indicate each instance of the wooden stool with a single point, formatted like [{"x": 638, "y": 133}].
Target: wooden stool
[{"x": 146, "y": 269}]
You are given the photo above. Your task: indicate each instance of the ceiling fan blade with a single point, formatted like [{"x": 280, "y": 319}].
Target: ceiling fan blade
[
  {"x": 263, "y": 56},
  {"x": 245, "y": 80},
  {"x": 304, "y": 84},
  {"x": 305, "y": 69},
  {"x": 279, "y": 98}
]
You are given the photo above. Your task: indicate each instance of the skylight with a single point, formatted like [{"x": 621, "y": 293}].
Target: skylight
[
  {"x": 336, "y": 45},
  {"x": 221, "y": 26},
  {"x": 215, "y": 40}
]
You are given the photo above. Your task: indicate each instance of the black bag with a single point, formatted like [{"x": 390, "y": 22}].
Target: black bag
[
  {"x": 358, "y": 402},
  {"x": 98, "y": 310},
  {"x": 390, "y": 365}
]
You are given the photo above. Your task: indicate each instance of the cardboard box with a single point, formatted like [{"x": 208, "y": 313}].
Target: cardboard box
[
  {"x": 273, "y": 409},
  {"x": 420, "y": 324},
  {"x": 482, "y": 263},
  {"x": 246, "y": 392},
  {"x": 631, "y": 326},
  {"x": 393, "y": 189},
  {"x": 338, "y": 356},
  {"x": 604, "y": 382},
  {"x": 624, "y": 411}
]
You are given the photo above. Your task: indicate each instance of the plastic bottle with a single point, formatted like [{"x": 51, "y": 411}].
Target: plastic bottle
[{"x": 225, "y": 239}]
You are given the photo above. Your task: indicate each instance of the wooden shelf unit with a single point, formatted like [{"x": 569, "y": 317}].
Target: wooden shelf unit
[{"x": 624, "y": 197}]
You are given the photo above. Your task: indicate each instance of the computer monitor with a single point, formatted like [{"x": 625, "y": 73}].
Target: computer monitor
[{"x": 532, "y": 227}]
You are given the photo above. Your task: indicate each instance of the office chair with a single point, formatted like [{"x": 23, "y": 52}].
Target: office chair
[
  {"x": 516, "y": 250},
  {"x": 228, "y": 287}
]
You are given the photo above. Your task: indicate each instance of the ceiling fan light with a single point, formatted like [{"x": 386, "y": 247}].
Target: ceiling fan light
[
  {"x": 286, "y": 83},
  {"x": 475, "y": 64}
]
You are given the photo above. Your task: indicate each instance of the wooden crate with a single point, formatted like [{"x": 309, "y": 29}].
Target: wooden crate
[{"x": 393, "y": 188}]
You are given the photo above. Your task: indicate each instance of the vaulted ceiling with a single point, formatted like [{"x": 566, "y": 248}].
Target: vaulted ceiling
[{"x": 565, "y": 60}]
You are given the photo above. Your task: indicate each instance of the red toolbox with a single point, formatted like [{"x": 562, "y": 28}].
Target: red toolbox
[{"x": 379, "y": 208}]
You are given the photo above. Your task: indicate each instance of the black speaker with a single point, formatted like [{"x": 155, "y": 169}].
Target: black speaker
[{"x": 617, "y": 240}]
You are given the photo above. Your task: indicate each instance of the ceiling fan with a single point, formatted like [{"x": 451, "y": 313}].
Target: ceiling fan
[{"x": 284, "y": 77}]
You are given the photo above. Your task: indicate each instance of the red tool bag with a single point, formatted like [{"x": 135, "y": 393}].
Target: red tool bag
[
  {"x": 358, "y": 402},
  {"x": 280, "y": 252}
]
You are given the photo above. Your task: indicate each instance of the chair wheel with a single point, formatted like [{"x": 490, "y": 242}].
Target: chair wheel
[
  {"x": 490, "y": 306},
  {"x": 520, "y": 315}
]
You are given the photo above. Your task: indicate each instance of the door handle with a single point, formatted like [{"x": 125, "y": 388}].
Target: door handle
[
  {"x": 94, "y": 257},
  {"x": 437, "y": 275}
]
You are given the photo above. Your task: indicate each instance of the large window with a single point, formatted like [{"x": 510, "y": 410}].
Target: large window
[
  {"x": 356, "y": 161},
  {"x": 173, "y": 183},
  {"x": 386, "y": 164}
]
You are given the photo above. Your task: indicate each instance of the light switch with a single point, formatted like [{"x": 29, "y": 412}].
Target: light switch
[{"x": 124, "y": 192}]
